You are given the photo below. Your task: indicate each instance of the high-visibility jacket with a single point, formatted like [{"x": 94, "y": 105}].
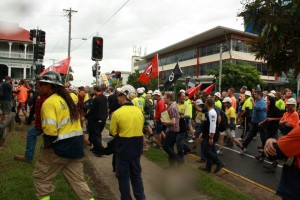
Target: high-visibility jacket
[
  {"x": 56, "y": 123},
  {"x": 74, "y": 97}
]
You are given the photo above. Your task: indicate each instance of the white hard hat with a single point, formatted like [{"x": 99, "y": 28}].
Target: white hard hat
[
  {"x": 149, "y": 92},
  {"x": 143, "y": 89},
  {"x": 273, "y": 91},
  {"x": 140, "y": 91},
  {"x": 271, "y": 95},
  {"x": 126, "y": 90},
  {"x": 182, "y": 91},
  {"x": 248, "y": 93},
  {"x": 227, "y": 100},
  {"x": 291, "y": 101},
  {"x": 218, "y": 94},
  {"x": 157, "y": 92},
  {"x": 199, "y": 102}
]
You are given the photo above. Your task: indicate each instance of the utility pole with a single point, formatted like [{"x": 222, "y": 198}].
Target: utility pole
[
  {"x": 69, "y": 14},
  {"x": 220, "y": 69}
]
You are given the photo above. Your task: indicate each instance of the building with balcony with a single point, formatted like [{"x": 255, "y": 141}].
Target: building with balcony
[
  {"x": 16, "y": 52},
  {"x": 198, "y": 54}
]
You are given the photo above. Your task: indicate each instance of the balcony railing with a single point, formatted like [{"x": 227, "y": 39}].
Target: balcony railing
[{"x": 16, "y": 55}]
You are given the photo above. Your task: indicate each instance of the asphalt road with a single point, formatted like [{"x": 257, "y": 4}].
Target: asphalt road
[{"x": 247, "y": 166}]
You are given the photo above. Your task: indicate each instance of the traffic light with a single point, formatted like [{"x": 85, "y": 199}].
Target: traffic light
[
  {"x": 39, "y": 69},
  {"x": 32, "y": 34},
  {"x": 42, "y": 36},
  {"x": 97, "y": 48},
  {"x": 39, "y": 51}
]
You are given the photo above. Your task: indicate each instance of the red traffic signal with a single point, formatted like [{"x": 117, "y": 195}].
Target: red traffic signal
[{"x": 97, "y": 48}]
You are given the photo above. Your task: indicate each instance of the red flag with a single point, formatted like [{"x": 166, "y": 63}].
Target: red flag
[
  {"x": 151, "y": 71},
  {"x": 61, "y": 67},
  {"x": 209, "y": 89},
  {"x": 191, "y": 91}
]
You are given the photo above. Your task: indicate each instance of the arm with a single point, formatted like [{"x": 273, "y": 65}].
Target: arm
[{"x": 113, "y": 125}]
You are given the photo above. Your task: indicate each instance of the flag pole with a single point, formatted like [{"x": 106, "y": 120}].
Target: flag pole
[{"x": 157, "y": 71}]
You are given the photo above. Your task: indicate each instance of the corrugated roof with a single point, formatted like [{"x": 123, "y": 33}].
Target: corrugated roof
[{"x": 12, "y": 32}]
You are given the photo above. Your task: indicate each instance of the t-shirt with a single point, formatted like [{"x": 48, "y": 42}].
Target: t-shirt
[
  {"x": 289, "y": 145},
  {"x": 174, "y": 113},
  {"x": 292, "y": 118},
  {"x": 280, "y": 104},
  {"x": 200, "y": 117},
  {"x": 7, "y": 92},
  {"x": 230, "y": 113},
  {"x": 247, "y": 104},
  {"x": 213, "y": 117},
  {"x": 233, "y": 102},
  {"x": 160, "y": 106},
  {"x": 138, "y": 103},
  {"x": 218, "y": 104}
]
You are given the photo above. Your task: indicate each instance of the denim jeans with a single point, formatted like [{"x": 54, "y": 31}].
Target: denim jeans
[
  {"x": 31, "y": 142},
  {"x": 180, "y": 144},
  {"x": 168, "y": 146}
]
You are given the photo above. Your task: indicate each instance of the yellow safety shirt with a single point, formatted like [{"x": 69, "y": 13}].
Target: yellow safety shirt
[
  {"x": 74, "y": 97},
  {"x": 247, "y": 104},
  {"x": 127, "y": 122},
  {"x": 56, "y": 121},
  {"x": 138, "y": 103}
]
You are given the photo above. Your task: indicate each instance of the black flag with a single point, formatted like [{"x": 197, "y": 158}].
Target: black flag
[{"x": 176, "y": 74}]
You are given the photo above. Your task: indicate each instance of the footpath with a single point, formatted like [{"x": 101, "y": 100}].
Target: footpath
[{"x": 161, "y": 184}]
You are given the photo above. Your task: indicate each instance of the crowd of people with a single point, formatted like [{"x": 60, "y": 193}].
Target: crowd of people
[{"x": 137, "y": 117}]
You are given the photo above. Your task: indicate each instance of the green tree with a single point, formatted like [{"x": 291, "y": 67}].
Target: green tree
[
  {"x": 236, "y": 76},
  {"x": 278, "y": 25}
]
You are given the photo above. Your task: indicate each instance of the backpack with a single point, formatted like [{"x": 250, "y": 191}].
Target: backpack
[
  {"x": 148, "y": 107},
  {"x": 224, "y": 121},
  {"x": 1, "y": 89}
]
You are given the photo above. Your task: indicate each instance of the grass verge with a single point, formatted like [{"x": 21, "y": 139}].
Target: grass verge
[
  {"x": 16, "y": 177},
  {"x": 204, "y": 183}
]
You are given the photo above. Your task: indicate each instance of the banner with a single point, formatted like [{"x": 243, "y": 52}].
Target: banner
[
  {"x": 151, "y": 71},
  {"x": 60, "y": 67},
  {"x": 174, "y": 76},
  {"x": 209, "y": 89}
]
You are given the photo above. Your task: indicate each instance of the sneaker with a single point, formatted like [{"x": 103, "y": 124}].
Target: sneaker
[
  {"x": 219, "y": 167},
  {"x": 191, "y": 141},
  {"x": 242, "y": 151},
  {"x": 22, "y": 158},
  {"x": 220, "y": 152}
]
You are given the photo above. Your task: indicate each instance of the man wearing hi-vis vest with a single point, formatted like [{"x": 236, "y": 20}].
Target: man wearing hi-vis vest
[{"x": 62, "y": 150}]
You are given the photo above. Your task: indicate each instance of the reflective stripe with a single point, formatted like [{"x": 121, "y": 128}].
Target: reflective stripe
[
  {"x": 51, "y": 121},
  {"x": 68, "y": 135},
  {"x": 63, "y": 122}
]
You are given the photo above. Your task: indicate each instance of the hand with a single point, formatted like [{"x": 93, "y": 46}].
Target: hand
[
  {"x": 211, "y": 141},
  {"x": 260, "y": 123},
  {"x": 268, "y": 119},
  {"x": 269, "y": 148}
]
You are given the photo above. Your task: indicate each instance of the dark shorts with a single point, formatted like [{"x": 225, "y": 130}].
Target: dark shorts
[
  {"x": 6, "y": 107},
  {"x": 159, "y": 127}
]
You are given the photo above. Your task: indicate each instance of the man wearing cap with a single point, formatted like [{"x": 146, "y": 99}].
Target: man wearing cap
[
  {"x": 259, "y": 114},
  {"x": 246, "y": 113},
  {"x": 127, "y": 128},
  {"x": 290, "y": 119},
  {"x": 218, "y": 103},
  {"x": 62, "y": 150},
  {"x": 230, "y": 130},
  {"x": 160, "y": 106}
]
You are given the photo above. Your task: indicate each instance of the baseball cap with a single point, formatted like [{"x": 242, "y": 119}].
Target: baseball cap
[
  {"x": 199, "y": 102},
  {"x": 157, "y": 92},
  {"x": 248, "y": 93},
  {"x": 271, "y": 95},
  {"x": 291, "y": 101},
  {"x": 227, "y": 100},
  {"x": 140, "y": 90},
  {"x": 218, "y": 94},
  {"x": 273, "y": 91}
]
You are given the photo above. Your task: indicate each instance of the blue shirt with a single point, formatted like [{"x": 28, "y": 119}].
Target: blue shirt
[
  {"x": 7, "y": 90},
  {"x": 259, "y": 112}
]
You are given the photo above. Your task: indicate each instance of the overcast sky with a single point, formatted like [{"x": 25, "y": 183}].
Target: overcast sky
[{"x": 149, "y": 24}]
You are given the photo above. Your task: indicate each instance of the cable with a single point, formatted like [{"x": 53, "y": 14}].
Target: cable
[{"x": 102, "y": 25}]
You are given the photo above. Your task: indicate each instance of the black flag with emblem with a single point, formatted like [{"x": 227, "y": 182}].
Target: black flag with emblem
[{"x": 176, "y": 74}]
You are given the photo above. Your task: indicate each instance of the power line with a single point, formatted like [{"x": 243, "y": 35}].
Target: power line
[{"x": 102, "y": 25}]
